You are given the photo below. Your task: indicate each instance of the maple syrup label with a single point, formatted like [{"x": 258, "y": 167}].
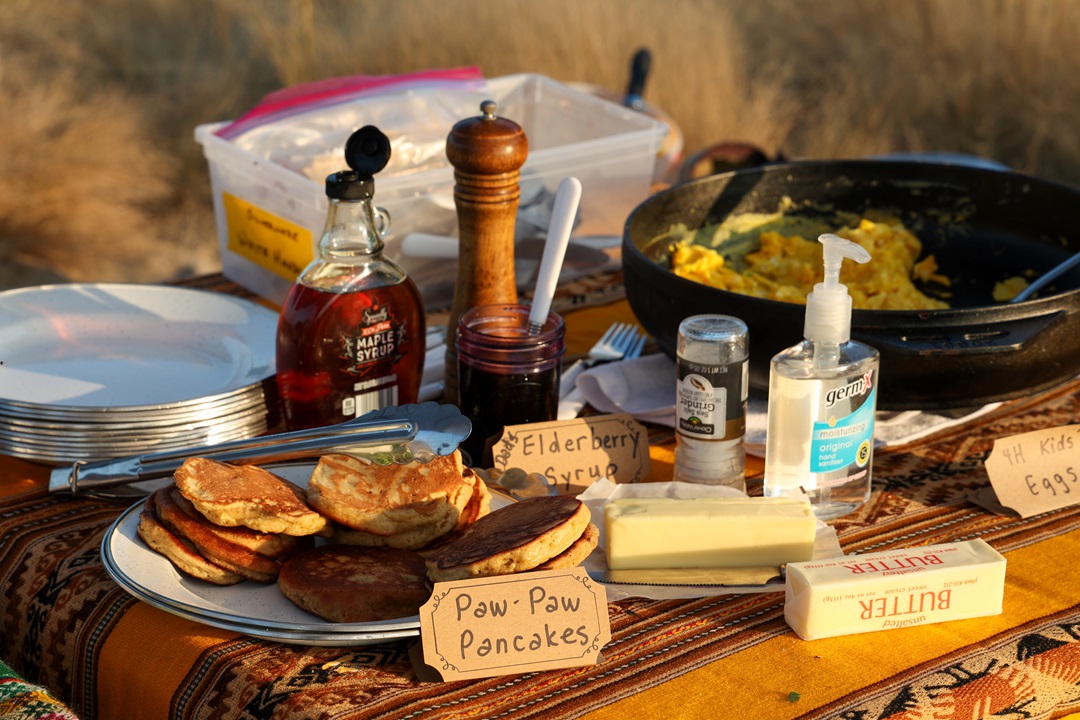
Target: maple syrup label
[
  {"x": 371, "y": 353},
  {"x": 341, "y": 355},
  {"x": 377, "y": 339}
]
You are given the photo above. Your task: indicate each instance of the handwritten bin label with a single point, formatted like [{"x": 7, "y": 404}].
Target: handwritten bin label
[
  {"x": 271, "y": 242},
  {"x": 576, "y": 453},
  {"x": 1037, "y": 472},
  {"x": 514, "y": 623}
]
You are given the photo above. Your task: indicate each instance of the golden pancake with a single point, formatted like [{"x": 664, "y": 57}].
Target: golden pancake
[
  {"x": 247, "y": 495},
  {"x": 478, "y": 506},
  {"x": 272, "y": 545},
  {"x": 179, "y": 551},
  {"x": 390, "y": 499},
  {"x": 343, "y": 583},
  {"x": 512, "y": 539},
  {"x": 424, "y": 536},
  {"x": 200, "y": 532},
  {"x": 413, "y": 539},
  {"x": 576, "y": 553},
  {"x": 479, "y": 503}
]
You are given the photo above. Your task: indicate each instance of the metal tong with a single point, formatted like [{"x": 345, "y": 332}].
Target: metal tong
[{"x": 393, "y": 434}]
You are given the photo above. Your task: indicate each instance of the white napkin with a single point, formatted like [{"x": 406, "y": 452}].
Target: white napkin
[
  {"x": 645, "y": 388},
  {"x": 431, "y": 382}
]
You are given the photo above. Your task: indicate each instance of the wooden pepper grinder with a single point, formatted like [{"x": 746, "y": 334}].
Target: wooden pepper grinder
[{"x": 487, "y": 153}]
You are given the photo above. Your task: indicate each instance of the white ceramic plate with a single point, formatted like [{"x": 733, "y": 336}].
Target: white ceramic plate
[
  {"x": 60, "y": 453},
  {"x": 128, "y": 346},
  {"x": 248, "y": 607},
  {"x": 162, "y": 414},
  {"x": 316, "y": 638}
]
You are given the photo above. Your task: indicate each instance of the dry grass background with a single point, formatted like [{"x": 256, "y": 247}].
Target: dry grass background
[{"x": 101, "y": 179}]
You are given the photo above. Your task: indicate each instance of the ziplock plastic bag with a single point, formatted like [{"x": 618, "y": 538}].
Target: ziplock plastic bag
[{"x": 304, "y": 127}]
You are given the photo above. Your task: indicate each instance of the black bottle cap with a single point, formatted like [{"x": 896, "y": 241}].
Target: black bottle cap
[{"x": 367, "y": 151}]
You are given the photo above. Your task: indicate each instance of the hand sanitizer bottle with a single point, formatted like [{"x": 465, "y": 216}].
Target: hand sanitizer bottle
[{"x": 822, "y": 398}]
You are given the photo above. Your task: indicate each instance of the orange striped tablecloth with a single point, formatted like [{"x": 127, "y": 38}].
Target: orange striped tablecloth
[{"x": 66, "y": 625}]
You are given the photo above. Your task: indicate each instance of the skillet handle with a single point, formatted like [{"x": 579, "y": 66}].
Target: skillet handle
[{"x": 1001, "y": 336}]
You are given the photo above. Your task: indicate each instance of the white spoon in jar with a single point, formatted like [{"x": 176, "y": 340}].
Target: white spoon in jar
[{"x": 558, "y": 237}]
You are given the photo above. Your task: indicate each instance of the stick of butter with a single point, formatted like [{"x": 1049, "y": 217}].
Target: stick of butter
[
  {"x": 894, "y": 589},
  {"x": 711, "y": 532}
]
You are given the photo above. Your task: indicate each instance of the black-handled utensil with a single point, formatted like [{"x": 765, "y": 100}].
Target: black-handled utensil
[{"x": 639, "y": 72}]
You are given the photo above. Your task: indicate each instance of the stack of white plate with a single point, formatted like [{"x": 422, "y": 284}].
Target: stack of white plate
[{"x": 96, "y": 371}]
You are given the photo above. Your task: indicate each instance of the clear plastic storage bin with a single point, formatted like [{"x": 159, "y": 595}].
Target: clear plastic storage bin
[{"x": 270, "y": 203}]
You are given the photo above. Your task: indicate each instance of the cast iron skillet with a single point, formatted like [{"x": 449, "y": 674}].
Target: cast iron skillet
[{"x": 983, "y": 225}]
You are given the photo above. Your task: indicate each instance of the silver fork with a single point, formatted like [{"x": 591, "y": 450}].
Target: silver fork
[{"x": 621, "y": 341}]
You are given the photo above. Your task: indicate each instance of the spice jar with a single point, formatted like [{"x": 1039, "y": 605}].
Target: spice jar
[
  {"x": 711, "y": 398},
  {"x": 507, "y": 376}
]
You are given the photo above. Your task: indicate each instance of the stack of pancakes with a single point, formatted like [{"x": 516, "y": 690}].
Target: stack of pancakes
[
  {"x": 408, "y": 507},
  {"x": 225, "y": 524},
  {"x": 542, "y": 533},
  {"x": 386, "y": 532}
]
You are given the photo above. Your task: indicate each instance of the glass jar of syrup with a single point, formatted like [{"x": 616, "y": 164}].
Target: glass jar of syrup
[
  {"x": 351, "y": 332},
  {"x": 506, "y": 375}
]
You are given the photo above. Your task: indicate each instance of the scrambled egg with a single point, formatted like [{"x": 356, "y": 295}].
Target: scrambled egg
[
  {"x": 1009, "y": 288},
  {"x": 786, "y": 267}
]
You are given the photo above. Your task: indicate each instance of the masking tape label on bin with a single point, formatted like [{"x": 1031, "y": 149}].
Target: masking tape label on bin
[{"x": 282, "y": 247}]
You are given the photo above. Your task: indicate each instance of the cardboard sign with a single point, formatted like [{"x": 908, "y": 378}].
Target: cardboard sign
[
  {"x": 265, "y": 239},
  {"x": 514, "y": 623},
  {"x": 1038, "y": 471},
  {"x": 576, "y": 453}
]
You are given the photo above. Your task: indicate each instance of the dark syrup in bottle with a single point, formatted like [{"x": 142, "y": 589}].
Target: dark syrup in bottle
[
  {"x": 344, "y": 354},
  {"x": 351, "y": 331}
]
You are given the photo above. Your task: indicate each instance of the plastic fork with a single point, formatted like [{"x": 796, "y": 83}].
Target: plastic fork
[{"x": 621, "y": 341}]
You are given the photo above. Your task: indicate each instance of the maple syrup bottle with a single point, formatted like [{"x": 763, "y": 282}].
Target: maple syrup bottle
[{"x": 351, "y": 332}]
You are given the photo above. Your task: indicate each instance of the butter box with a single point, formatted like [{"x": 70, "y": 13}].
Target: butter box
[{"x": 894, "y": 589}]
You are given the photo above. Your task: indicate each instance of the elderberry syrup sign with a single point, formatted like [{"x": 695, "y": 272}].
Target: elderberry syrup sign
[
  {"x": 574, "y": 454},
  {"x": 514, "y": 623}
]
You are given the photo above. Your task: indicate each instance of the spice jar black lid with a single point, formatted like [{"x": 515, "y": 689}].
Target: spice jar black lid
[{"x": 366, "y": 151}]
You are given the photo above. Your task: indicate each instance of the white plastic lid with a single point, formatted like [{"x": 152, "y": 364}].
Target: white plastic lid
[{"x": 828, "y": 307}]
